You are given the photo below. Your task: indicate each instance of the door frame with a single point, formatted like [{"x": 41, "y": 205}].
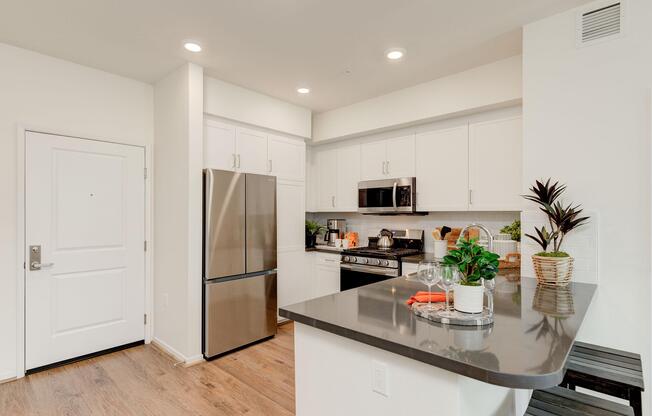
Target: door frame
[{"x": 22, "y": 131}]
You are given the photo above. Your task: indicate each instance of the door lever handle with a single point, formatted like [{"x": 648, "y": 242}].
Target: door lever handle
[{"x": 35, "y": 265}]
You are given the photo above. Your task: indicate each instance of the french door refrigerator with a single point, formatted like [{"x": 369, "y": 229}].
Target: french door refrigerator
[{"x": 239, "y": 260}]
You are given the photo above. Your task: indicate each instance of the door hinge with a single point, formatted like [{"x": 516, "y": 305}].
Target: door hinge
[
  {"x": 145, "y": 319},
  {"x": 145, "y": 169},
  {"x": 145, "y": 245}
]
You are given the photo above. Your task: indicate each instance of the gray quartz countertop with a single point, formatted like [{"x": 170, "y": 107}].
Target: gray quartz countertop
[
  {"x": 418, "y": 257},
  {"x": 322, "y": 248},
  {"x": 526, "y": 347}
]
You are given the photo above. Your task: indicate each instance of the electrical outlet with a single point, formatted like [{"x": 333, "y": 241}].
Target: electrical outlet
[{"x": 379, "y": 383}]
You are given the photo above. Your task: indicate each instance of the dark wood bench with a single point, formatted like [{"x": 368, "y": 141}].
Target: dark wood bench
[
  {"x": 558, "y": 401},
  {"x": 606, "y": 370}
]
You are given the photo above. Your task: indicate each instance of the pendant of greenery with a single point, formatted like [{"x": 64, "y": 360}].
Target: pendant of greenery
[
  {"x": 473, "y": 261},
  {"x": 562, "y": 219}
]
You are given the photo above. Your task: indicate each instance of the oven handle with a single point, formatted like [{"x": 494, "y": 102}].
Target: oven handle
[
  {"x": 394, "y": 195},
  {"x": 370, "y": 269}
]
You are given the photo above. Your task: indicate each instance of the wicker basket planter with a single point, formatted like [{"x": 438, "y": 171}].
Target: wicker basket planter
[{"x": 553, "y": 271}]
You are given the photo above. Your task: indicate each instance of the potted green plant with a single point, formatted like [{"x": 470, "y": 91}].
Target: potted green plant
[
  {"x": 474, "y": 263},
  {"x": 312, "y": 229},
  {"x": 553, "y": 267}
]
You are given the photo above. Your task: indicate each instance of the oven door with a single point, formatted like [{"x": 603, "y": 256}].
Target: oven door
[
  {"x": 387, "y": 196},
  {"x": 356, "y": 275}
]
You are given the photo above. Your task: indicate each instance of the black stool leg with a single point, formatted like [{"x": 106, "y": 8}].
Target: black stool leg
[{"x": 635, "y": 401}]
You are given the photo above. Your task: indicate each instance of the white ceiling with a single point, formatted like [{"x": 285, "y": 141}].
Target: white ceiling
[{"x": 336, "y": 47}]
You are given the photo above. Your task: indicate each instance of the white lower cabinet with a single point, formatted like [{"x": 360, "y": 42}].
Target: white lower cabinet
[
  {"x": 292, "y": 282},
  {"x": 408, "y": 268},
  {"x": 326, "y": 280}
]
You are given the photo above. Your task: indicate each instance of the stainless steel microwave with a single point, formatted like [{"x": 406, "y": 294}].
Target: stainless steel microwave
[{"x": 388, "y": 196}]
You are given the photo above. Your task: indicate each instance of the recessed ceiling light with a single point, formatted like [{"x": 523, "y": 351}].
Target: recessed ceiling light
[
  {"x": 192, "y": 46},
  {"x": 395, "y": 54},
  {"x": 303, "y": 90}
]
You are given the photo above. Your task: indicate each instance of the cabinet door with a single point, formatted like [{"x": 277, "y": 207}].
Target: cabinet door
[
  {"x": 348, "y": 176},
  {"x": 442, "y": 173},
  {"x": 251, "y": 151},
  {"x": 372, "y": 160},
  {"x": 495, "y": 161},
  {"x": 326, "y": 274},
  {"x": 400, "y": 157},
  {"x": 327, "y": 179},
  {"x": 290, "y": 211},
  {"x": 287, "y": 158},
  {"x": 312, "y": 180},
  {"x": 292, "y": 285},
  {"x": 219, "y": 146}
]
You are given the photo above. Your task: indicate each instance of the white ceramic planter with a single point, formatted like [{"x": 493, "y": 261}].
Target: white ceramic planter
[{"x": 469, "y": 299}]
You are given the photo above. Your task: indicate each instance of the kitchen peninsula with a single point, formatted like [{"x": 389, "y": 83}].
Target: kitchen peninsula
[{"x": 363, "y": 351}]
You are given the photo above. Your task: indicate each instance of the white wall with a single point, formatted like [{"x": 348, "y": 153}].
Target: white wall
[
  {"x": 489, "y": 86},
  {"x": 58, "y": 96},
  {"x": 586, "y": 116},
  {"x": 178, "y": 121},
  {"x": 236, "y": 103}
]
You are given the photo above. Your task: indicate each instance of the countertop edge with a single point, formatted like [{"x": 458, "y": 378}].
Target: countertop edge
[{"x": 517, "y": 381}]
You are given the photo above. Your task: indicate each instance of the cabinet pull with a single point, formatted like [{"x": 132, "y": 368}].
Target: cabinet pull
[
  {"x": 270, "y": 165},
  {"x": 387, "y": 167},
  {"x": 470, "y": 197},
  {"x": 238, "y": 161},
  {"x": 233, "y": 154},
  {"x": 333, "y": 201},
  {"x": 384, "y": 170}
]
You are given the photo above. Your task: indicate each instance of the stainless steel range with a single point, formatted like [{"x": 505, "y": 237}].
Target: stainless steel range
[{"x": 365, "y": 265}]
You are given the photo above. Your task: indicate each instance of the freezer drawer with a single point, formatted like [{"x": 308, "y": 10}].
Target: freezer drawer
[{"x": 238, "y": 312}]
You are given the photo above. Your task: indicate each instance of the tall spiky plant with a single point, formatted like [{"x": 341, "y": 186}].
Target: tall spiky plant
[{"x": 562, "y": 219}]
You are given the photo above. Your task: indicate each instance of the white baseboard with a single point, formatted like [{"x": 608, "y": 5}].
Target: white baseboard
[
  {"x": 187, "y": 361},
  {"x": 7, "y": 376}
]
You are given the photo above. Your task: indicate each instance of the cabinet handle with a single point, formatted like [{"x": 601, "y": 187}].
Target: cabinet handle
[
  {"x": 384, "y": 169},
  {"x": 270, "y": 165},
  {"x": 238, "y": 161},
  {"x": 333, "y": 201},
  {"x": 470, "y": 197},
  {"x": 233, "y": 154}
]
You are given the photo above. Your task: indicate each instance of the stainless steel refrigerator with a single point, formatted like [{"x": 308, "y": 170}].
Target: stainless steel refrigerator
[{"x": 239, "y": 260}]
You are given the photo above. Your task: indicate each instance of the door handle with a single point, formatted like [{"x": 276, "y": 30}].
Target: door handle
[
  {"x": 38, "y": 266},
  {"x": 394, "y": 195}
]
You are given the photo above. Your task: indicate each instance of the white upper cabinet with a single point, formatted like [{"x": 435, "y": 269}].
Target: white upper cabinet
[
  {"x": 327, "y": 179},
  {"x": 495, "y": 165},
  {"x": 219, "y": 146},
  {"x": 442, "y": 169},
  {"x": 287, "y": 158},
  {"x": 251, "y": 151},
  {"x": 400, "y": 157},
  {"x": 373, "y": 160},
  {"x": 392, "y": 158},
  {"x": 348, "y": 176}
]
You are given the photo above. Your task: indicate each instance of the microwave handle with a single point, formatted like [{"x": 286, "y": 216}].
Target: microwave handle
[{"x": 394, "y": 195}]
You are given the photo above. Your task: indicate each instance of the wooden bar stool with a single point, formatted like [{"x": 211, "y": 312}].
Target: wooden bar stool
[
  {"x": 606, "y": 370},
  {"x": 558, "y": 401}
]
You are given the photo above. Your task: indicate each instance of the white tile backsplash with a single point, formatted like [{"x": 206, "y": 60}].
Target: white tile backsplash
[{"x": 370, "y": 225}]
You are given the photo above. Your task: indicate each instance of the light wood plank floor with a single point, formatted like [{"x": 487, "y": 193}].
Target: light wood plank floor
[{"x": 258, "y": 380}]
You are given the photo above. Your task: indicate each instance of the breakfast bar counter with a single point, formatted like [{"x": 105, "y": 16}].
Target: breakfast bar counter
[{"x": 371, "y": 330}]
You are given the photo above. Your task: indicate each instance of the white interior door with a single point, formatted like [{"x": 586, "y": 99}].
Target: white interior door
[{"x": 85, "y": 208}]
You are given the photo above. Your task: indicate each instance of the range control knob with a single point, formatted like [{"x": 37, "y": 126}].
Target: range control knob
[
  {"x": 385, "y": 262},
  {"x": 345, "y": 258},
  {"x": 353, "y": 259},
  {"x": 364, "y": 261},
  {"x": 375, "y": 262}
]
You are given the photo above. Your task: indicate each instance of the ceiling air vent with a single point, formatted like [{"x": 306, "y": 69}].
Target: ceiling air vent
[{"x": 600, "y": 23}]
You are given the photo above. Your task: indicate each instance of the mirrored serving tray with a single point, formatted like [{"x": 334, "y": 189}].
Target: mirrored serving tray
[{"x": 438, "y": 314}]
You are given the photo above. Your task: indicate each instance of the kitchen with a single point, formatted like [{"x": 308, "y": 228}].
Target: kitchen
[{"x": 413, "y": 126}]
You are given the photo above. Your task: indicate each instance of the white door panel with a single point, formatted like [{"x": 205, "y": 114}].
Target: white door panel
[
  {"x": 85, "y": 207},
  {"x": 348, "y": 176},
  {"x": 287, "y": 158},
  {"x": 400, "y": 157},
  {"x": 251, "y": 149},
  {"x": 442, "y": 170},
  {"x": 327, "y": 177},
  {"x": 372, "y": 160},
  {"x": 219, "y": 146}
]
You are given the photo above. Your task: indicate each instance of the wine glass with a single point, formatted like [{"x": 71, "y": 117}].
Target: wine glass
[
  {"x": 448, "y": 276},
  {"x": 489, "y": 288},
  {"x": 427, "y": 274}
]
